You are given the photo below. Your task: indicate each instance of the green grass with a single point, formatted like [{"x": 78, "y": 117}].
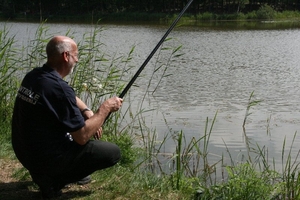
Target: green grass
[{"x": 146, "y": 171}]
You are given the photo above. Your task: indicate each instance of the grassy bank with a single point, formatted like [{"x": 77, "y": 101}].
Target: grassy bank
[{"x": 146, "y": 171}]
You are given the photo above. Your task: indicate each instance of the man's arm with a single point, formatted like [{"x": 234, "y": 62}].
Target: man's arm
[
  {"x": 93, "y": 124},
  {"x": 85, "y": 111}
]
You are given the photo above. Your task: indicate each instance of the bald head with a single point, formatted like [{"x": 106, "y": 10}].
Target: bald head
[
  {"x": 62, "y": 54},
  {"x": 59, "y": 44}
]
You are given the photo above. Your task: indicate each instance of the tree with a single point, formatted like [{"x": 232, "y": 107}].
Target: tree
[{"x": 241, "y": 5}]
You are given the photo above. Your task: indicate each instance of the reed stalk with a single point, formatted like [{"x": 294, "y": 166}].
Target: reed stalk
[{"x": 9, "y": 65}]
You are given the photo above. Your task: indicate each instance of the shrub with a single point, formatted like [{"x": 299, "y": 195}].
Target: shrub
[
  {"x": 126, "y": 143},
  {"x": 245, "y": 183},
  {"x": 251, "y": 15},
  {"x": 206, "y": 16},
  {"x": 266, "y": 12}
]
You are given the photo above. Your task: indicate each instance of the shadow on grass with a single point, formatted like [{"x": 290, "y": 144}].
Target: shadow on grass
[
  {"x": 26, "y": 190},
  {"x": 18, "y": 190}
]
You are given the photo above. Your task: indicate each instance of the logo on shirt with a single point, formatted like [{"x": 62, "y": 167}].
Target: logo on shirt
[{"x": 27, "y": 95}]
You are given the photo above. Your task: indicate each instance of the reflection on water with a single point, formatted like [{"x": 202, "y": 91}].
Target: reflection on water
[
  {"x": 220, "y": 68},
  {"x": 247, "y": 25}
]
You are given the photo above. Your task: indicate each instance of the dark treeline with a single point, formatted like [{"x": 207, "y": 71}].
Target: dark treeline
[{"x": 46, "y": 8}]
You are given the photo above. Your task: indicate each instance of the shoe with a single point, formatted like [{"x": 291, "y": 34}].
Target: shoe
[
  {"x": 50, "y": 193},
  {"x": 84, "y": 181}
]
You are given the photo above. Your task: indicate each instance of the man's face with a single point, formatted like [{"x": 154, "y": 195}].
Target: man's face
[{"x": 73, "y": 59}]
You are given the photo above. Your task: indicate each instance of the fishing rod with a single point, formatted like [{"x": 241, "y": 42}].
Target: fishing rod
[
  {"x": 125, "y": 90},
  {"x": 154, "y": 50}
]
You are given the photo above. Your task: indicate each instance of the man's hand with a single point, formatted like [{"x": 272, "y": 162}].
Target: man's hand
[
  {"x": 88, "y": 114},
  {"x": 98, "y": 134},
  {"x": 112, "y": 104}
]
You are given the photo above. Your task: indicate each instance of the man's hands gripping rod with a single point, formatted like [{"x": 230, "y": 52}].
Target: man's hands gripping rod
[{"x": 110, "y": 105}]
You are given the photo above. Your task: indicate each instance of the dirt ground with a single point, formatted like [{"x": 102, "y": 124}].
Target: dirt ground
[{"x": 13, "y": 189}]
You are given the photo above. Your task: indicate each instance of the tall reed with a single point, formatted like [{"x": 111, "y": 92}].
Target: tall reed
[
  {"x": 9, "y": 65},
  {"x": 290, "y": 172}
]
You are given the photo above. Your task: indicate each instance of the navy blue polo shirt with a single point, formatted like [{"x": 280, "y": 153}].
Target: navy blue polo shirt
[{"x": 45, "y": 111}]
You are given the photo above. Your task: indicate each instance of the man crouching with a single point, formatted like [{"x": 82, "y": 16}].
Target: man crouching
[{"x": 51, "y": 127}]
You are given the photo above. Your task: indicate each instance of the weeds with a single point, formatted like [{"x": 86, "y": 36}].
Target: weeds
[
  {"x": 8, "y": 67},
  {"x": 244, "y": 182},
  {"x": 251, "y": 103}
]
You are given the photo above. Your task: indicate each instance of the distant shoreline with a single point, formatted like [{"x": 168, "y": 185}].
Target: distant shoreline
[{"x": 266, "y": 14}]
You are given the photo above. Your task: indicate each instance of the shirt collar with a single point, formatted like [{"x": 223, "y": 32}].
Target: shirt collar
[{"x": 50, "y": 70}]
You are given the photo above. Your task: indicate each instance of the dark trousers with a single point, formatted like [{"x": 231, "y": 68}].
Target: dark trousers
[{"x": 78, "y": 163}]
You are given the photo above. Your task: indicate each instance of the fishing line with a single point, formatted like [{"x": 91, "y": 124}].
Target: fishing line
[{"x": 154, "y": 50}]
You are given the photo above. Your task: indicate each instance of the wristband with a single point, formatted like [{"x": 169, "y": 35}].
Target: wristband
[{"x": 86, "y": 109}]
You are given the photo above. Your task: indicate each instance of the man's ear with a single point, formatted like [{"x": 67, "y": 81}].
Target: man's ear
[{"x": 66, "y": 56}]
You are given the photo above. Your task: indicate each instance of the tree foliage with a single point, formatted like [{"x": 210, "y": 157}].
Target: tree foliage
[{"x": 78, "y": 7}]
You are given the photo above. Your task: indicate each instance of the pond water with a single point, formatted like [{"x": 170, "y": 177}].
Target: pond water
[{"x": 220, "y": 67}]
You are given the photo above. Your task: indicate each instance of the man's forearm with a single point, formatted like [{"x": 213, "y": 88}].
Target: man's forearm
[
  {"x": 93, "y": 123},
  {"x": 81, "y": 105}
]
